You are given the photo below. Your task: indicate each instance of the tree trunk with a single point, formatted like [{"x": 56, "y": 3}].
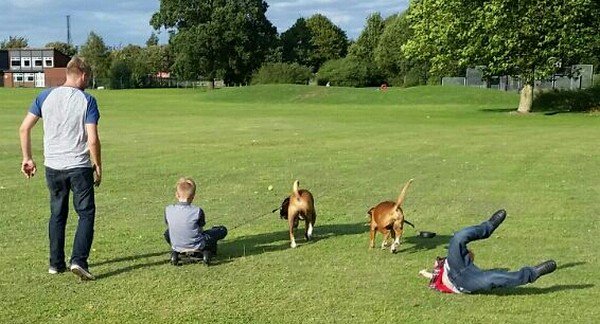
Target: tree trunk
[{"x": 526, "y": 100}]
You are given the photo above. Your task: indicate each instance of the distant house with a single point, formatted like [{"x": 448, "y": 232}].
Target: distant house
[{"x": 32, "y": 67}]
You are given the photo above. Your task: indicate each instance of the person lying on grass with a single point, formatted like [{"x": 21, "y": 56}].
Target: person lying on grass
[
  {"x": 185, "y": 224},
  {"x": 457, "y": 273}
]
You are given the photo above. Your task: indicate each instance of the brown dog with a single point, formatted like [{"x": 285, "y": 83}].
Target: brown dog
[
  {"x": 388, "y": 218},
  {"x": 301, "y": 207}
]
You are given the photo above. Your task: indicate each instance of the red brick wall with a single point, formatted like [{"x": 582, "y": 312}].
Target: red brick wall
[
  {"x": 8, "y": 80},
  {"x": 55, "y": 76}
]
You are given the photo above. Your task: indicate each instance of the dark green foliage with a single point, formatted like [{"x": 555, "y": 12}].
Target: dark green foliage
[
  {"x": 95, "y": 52},
  {"x": 120, "y": 75},
  {"x": 14, "y": 42},
  {"x": 282, "y": 73},
  {"x": 568, "y": 100},
  {"x": 211, "y": 39},
  {"x": 348, "y": 72},
  {"x": 67, "y": 49},
  {"x": 296, "y": 44},
  {"x": 328, "y": 41}
]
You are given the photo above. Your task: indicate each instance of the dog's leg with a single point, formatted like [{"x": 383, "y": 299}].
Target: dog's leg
[
  {"x": 309, "y": 230},
  {"x": 291, "y": 219},
  {"x": 386, "y": 238},
  {"x": 397, "y": 234},
  {"x": 372, "y": 233}
]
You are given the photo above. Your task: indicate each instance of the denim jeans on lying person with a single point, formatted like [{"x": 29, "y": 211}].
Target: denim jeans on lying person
[
  {"x": 467, "y": 277},
  {"x": 60, "y": 183},
  {"x": 211, "y": 237}
]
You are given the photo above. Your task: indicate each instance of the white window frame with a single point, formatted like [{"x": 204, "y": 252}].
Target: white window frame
[
  {"x": 29, "y": 77},
  {"x": 38, "y": 60},
  {"x": 26, "y": 62},
  {"x": 15, "y": 59},
  {"x": 16, "y": 77},
  {"x": 48, "y": 58}
]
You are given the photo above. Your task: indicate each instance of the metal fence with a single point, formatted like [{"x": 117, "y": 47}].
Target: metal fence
[{"x": 580, "y": 76}]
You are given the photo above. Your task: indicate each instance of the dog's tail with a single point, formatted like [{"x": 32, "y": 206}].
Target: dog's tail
[
  {"x": 296, "y": 185},
  {"x": 403, "y": 194}
]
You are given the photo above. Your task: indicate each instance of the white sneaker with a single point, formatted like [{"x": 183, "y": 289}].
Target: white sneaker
[
  {"x": 52, "y": 270},
  {"x": 82, "y": 273}
]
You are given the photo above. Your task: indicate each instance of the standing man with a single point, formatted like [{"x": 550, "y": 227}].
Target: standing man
[{"x": 73, "y": 162}]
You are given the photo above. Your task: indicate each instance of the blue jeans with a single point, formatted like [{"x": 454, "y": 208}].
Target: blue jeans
[
  {"x": 211, "y": 237},
  {"x": 469, "y": 278},
  {"x": 60, "y": 183}
]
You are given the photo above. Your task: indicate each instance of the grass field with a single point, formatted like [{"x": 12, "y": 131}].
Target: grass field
[{"x": 352, "y": 148}]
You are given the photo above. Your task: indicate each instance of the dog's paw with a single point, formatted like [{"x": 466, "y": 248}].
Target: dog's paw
[{"x": 293, "y": 245}]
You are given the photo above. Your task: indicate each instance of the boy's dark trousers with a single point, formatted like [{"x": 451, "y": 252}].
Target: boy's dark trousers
[{"x": 211, "y": 236}]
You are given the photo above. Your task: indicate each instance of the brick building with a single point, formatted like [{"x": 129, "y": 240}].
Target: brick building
[{"x": 32, "y": 67}]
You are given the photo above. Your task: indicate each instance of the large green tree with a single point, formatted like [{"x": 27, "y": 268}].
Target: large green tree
[
  {"x": 217, "y": 38},
  {"x": 296, "y": 43},
  {"x": 14, "y": 42},
  {"x": 63, "y": 47},
  {"x": 529, "y": 39},
  {"x": 328, "y": 41},
  {"x": 364, "y": 47},
  {"x": 95, "y": 52}
]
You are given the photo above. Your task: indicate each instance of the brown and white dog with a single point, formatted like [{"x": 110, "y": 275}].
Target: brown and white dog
[
  {"x": 301, "y": 206},
  {"x": 388, "y": 218}
]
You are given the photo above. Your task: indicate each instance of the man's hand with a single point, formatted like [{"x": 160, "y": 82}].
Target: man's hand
[
  {"x": 28, "y": 168},
  {"x": 97, "y": 175},
  {"x": 426, "y": 274}
]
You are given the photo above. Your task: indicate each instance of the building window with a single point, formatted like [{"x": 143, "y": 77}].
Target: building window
[
  {"x": 37, "y": 62},
  {"x": 29, "y": 77},
  {"x": 48, "y": 62},
  {"x": 18, "y": 77},
  {"x": 15, "y": 62},
  {"x": 26, "y": 61}
]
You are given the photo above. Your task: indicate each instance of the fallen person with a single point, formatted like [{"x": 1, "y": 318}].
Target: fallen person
[{"x": 457, "y": 273}]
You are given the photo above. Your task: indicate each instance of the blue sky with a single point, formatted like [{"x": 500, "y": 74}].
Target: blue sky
[{"x": 122, "y": 22}]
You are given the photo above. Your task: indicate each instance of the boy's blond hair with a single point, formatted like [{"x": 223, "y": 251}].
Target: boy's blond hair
[
  {"x": 78, "y": 66},
  {"x": 186, "y": 189}
]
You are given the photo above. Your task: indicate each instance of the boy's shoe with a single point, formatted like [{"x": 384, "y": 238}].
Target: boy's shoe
[
  {"x": 53, "y": 270},
  {"x": 174, "y": 258},
  {"x": 206, "y": 257},
  {"x": 81, "y": 272}
]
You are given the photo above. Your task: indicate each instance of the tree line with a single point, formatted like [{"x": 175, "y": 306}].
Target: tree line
[{"x": 232, "y": 40}]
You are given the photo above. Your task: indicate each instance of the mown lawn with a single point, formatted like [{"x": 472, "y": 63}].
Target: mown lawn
[{"x": 352, "y": 148}]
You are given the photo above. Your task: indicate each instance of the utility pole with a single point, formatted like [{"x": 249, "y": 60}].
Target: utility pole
[{"x": 69, "y": 29}]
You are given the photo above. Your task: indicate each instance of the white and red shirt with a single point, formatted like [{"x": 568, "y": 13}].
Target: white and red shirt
[{"x": 440, "y": 280}]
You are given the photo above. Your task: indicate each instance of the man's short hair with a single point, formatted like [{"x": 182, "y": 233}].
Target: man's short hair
[
  {"x": 186, "y": 188},
  {"x": 77, "y": 66}
]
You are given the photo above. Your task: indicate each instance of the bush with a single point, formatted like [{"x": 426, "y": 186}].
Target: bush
[
  {"x": 349, "y": 72},
  {"x": 568, "y": 100},
  {"x": 279, "y": 73}
]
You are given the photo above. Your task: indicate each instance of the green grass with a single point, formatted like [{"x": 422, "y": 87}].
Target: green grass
[{"x": 352, "y": 148}]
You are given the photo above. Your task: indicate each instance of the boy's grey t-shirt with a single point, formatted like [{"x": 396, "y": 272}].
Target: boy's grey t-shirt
[
  {"x": 66, "y": 111},
  {"x": 185, "y": 222}
]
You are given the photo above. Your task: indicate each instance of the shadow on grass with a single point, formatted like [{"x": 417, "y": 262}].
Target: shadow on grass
[
  {"x": 534, "y": 290},
  {"x": 499, "y": 110},
  {"x": 423, "y": 244},
  {"x": 130, "y": 258},
  {"x": 133, "y": 267},
  {"x": 570, "y": 265},
  {"x": 278, "y": 241}
]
